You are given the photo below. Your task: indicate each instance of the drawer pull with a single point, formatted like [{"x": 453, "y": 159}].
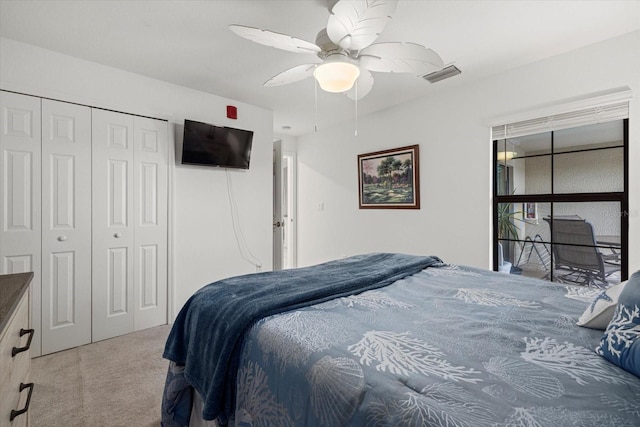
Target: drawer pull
[
  {"x": 15, "y": 413},
  {"x": 17, "y": 350}
]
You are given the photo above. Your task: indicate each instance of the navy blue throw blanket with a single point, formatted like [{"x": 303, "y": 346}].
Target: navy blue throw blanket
[{"x": 207, "y": 334}]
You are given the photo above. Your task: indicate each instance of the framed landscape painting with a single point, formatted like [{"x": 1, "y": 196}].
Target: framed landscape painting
[{"x": 389, "y": 179}]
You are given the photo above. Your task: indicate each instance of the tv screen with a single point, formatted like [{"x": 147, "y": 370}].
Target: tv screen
[{"x": 205, "y": 144}]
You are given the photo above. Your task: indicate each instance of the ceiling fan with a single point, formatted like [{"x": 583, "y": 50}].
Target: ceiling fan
[{"x": 346, "y": 49}]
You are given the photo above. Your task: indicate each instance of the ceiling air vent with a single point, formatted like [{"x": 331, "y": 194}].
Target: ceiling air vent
[{"x": 445, "y": 73}]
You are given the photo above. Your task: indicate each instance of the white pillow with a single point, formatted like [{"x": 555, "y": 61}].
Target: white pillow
[{"x": 600, "y": 311}]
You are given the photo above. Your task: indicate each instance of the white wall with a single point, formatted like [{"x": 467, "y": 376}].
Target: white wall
[
  {"x": 204, "y": 246},
  {"x": 452, "y": 128}
]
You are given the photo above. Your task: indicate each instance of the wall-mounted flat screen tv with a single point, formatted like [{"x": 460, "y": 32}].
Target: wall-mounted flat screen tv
[{"x": 205, "y": 144}]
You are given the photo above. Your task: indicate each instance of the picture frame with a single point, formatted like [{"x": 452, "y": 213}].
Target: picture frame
[
  {"x": 389, "y": 179},
  {"x": 530, "y": 211}
]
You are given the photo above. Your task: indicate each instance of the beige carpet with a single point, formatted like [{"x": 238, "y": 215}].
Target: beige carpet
[{"x": 116, "y": 382}]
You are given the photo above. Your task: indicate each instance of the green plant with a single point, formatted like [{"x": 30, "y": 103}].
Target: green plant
[{"x": 507, "y": 229}]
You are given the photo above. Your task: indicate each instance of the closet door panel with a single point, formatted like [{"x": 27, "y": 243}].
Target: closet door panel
[
  {"x": 113, "y": 230},
  {"x": 20, "y": 193},
  {"x": 66, "y": 225},
  {"x": 150, "y": 194},
  {"x": 118, "y": 300}
]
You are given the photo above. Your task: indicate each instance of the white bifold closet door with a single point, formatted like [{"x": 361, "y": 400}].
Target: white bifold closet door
[
  {"x": 129, "y": 254},
  {"x": 20, "y": 206},
  {"x": 83, "y": 204},
  {"x": 66, "y": 225}
]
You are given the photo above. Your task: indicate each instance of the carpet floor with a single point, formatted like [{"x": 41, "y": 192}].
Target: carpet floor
[{"x": 115, "y": 382}]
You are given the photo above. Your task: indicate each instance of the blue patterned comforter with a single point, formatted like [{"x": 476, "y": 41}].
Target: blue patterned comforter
[
  {"x": 209, "y": 330},
  {"x": 448, "y": 346}
]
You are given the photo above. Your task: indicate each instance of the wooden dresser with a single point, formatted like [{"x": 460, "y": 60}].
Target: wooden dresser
[{"x": 15, "y": 340}]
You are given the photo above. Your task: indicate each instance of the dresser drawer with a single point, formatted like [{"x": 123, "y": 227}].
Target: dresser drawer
[{"x": 16, "y": 366}]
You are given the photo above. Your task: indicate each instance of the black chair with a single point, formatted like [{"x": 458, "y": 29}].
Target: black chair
[{"x": 575, "y": 252}]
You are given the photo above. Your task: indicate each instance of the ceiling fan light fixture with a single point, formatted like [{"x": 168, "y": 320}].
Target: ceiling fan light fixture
[
  {"x": 504, "y": 156},
  {"x": 336, "y": 76}
]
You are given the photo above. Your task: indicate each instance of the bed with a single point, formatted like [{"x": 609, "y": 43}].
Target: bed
[{"x": 397, "y": 340}]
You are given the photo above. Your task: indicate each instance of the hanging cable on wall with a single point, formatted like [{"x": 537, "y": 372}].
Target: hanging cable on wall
[{"x": 243, "y": 247}]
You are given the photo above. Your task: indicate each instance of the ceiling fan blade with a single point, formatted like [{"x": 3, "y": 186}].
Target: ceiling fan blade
[
  {"x": 363, "y": 85},
  {"x": 354, "y": 25},
  {"x": 291, "y": 75},
  {"x": 398, "y": 57},
  {"x": 277, "y": 40}
]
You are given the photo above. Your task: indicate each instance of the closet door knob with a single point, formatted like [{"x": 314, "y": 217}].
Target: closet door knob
[
  {"x": 117, "y": 235},
  {"x": 62, "y": 238}
]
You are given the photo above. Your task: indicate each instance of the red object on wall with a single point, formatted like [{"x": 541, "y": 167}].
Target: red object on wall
[{"x": 232, "y": 112}]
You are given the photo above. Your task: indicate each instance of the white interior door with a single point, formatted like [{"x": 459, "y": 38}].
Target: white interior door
[
  {"x": 150, "y": 217},
  {"x": 278, "y": 221},
  {"x": 284, "y": 208},
  {"x": 289, "y": 204},
  {"x": 66, "y": 225},
  {"x": 112, "y": 224},
  {"x": 20, "y": 193}
]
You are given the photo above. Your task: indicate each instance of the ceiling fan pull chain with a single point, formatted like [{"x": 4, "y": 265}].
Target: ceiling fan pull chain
[
  {"x": 356, "y": 132},
  {"x": 315, "y": 94}
]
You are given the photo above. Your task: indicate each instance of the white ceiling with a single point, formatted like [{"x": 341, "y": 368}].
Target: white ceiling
[{"x": 189, "y": 43}]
